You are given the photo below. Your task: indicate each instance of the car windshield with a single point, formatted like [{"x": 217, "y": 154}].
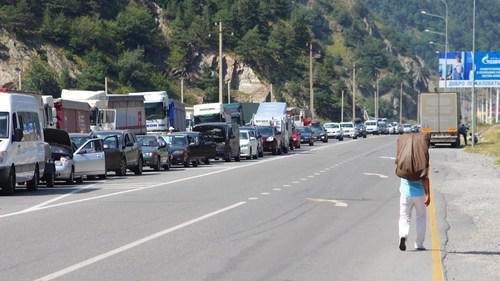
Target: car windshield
[
  {"x": 346, "y": 125},
  {"x": 407, "y": 126},
  {"x": 103, "y": 135},
  {"x": 174, "y": 140},
  {"x": 304, "y": 129},
  {"x": 154, "y": 110},
  {"x": 4, "y": 125},
  {"x": 371, "y": 123},
  {"x": 60, "y": 150},
  {"x": 330, "y": 126},
  {"x": 214, "y": 133},
  {"x": 244, "y": 135},
  {"x": 148, "y": 141},
  {"x": 79, "y": 141},
  {"x": 268, "y": 131}
]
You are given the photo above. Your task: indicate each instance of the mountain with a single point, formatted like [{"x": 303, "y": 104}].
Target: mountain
[{"x": 150, "y": 45}]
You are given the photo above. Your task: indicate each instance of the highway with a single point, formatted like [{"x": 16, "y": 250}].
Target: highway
[{"x": 326, "y": 212}]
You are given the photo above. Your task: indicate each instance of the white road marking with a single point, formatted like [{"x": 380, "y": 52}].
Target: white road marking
[
  {"x": 112, "y": 194},
  {"x": 134, "y": 244},
  {"x": 337, "y": 203},
  {"x": 276, "y": 189},
  {"x": 387, "y": 157},
  {"x": 317, "y": 174},
  {"x": 303, "y": 179},
  {"x": 57, "y": 198},
  {"x": 253, "y": 198},
  {"x": 375, "y": 174},
  {"x": 265, "y": 193},
  {"x": 286, "y": 185},
  {"x": 295, "y": 181},
  {"x": 311, "y": 177}
]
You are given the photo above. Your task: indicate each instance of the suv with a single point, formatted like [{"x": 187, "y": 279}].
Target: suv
[
  {"x": 349, "y": 130},
  {"x": 122, "y": 152},
  {"x": 272, "y": 141},
  {"x": 226, "y": 136},
  {"x": 334, "y": 131}
]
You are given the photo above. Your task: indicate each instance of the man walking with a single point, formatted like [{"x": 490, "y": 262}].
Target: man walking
[
  {"x": 412, "y": 167},
  {"x": 462, "y": 131}
]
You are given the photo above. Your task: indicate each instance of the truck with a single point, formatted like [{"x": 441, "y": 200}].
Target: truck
[
  {"x": 111, "y": 112},
  {"x": 177, "y": 115},
  {"x": 156, "y": 108},
  {"x": 49, "y": 111},
  {"x": 72, "y": 116},
  {"x": 241, "y": 113},
  {"x": 440, "y": 116},
  {"x": 209, "y": 113},
  {"x": 274, "y": 114}
]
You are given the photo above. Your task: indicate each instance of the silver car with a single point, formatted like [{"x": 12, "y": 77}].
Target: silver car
[
  {"x": 334, "y": 130},
  {"x": 90, "y": 160}
]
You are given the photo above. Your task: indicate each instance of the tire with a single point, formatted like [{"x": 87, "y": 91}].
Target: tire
[
  {"x": 138, "y": 169},
  {"x": 261, "y": 153},
  {"x": 71, "y": 179},
  {"x": 158, "y": 165},
  {"x": 122, "y": 171},
  {"x": 354, "y": 138},
  {"x": 249, "y": 157},
  {"x": 79, "y": 180},
  {"x": 195, "y": 163},
  {"x": 50, "y": 180},
  {"x": 102, "y": 177},
  {"x": 206, "y": 161},
  {"x": 10, "y": 185},
  {"x": 238, "y": 158},
  {"x": 227, "y": 157},
  {"x": 187, "y": 163},
  {"x": 311, "y": 143},
  {"x": 32, "y": 185}
]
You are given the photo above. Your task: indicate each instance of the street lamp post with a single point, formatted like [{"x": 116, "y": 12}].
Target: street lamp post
[
  {"x": 445, "y": 18},
  {"x": 353, "y": 92},
  {"x": 311, "y": 89},
  {"x": 221, "y": 83},
  {"x": 474, "y": 102}
]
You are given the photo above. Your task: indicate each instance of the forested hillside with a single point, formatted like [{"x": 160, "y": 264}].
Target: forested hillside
[{"x": 149, "y": 45}]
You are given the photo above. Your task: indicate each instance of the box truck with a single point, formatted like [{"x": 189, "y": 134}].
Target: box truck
[{"x": 440, "y": 116}]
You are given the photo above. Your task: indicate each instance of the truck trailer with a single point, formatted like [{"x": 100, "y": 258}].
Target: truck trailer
[
  {"x": 440, "y": 116},
  {"x": 275, "y": 114},
  {"x": 72, "y": 116}
]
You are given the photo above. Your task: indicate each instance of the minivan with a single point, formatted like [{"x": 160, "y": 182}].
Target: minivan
[{"x": 23, "y": 152}]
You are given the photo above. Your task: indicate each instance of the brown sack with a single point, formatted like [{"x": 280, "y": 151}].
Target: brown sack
[{"x": 412, "y": 156}]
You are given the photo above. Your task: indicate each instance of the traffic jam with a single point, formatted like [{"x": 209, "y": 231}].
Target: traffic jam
[{"x": 91, "y": 135}]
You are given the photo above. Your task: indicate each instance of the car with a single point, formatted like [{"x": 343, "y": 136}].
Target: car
[
  {"x": 382, "y": 127},
  {"x": 372, "y": 127},
  {"x": 295, "y": 138},
  {"x": 407, "y": 128},
  {"x": 334, "y": 130},
  {"x": 361, "y": 130},
  {"x": 155, "y": 152},
  {"x": 319, "y": 131},
  {"x": 123, "y": 151},
  {"x": 272, "y": 143},
  {"x": 415, "y": 129},
  {"x": 306, "y": 135},
  {"x": 90, "y": 160},
  {"x": 226, "y": 136},
  {"x": 61, "y": 154},
  {"x": 349, "y": 130},
  {"x": 185, "y": 149},
  {"x": 248, "y": 145},
  {"x": 200, "y": 145},
  {"x": 255, "y": 133}
]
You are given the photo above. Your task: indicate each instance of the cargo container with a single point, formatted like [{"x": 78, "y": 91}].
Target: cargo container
[
  {"x": 440, "y": 116},
  {"x": 72, "y": 116}
]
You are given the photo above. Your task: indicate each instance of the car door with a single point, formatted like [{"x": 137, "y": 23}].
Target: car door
[
  {"x": 112, "y": 153},
  {"x": 209, "y": 147},
  {"x": 83, "y": 158},
  {"x": 129, "y": 150},
  {"x": 195, "y": 149}
]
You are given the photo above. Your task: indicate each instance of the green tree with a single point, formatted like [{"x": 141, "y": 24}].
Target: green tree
[
  {"x": 94, "y": 68},
  {"x": 135, "y": 26},
  {"x": 42, "y": 78},
  {"x": 251, "y": 47},
  {"x": 133, "y": 71}
]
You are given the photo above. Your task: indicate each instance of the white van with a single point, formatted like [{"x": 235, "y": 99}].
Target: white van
[{"x": 22, "y": 148}]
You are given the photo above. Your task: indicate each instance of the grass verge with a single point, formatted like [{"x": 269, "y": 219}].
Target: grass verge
[{"x": 489, "y": 143}]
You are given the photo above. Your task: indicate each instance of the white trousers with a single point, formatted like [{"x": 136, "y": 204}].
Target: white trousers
[{"x": 406, "y": 205}]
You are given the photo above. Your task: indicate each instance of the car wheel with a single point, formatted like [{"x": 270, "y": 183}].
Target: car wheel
[
  {"x": 71, "y": 179},
  {"x": 103, "y": 176},
  {"x": 32, "y": 185},
  {"x": 138, "y": 169},
  {"x": 195, "y": 163},
  {"x": 354, "y": 138},
  {"x": 206, "y": 161},
  {"x": 79, "y": 180},
  {"x": 187, "y": 163},
  {"x": 261, "y": 153},
  {"x": 10, "y": 185},
  {"x": 50, "y": 180},
  {"x": 311, "y": 143},
  {"x": 158, "y": 164},
  {"x": 167, "y": 166},
  {"x": 122, "y": 171},
  {"x": 238, "y": 158},
  {"x": 364, "y": 136}
]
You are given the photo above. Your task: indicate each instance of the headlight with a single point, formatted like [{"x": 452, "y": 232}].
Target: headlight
[
  {"x": 150, "y": 154},
  {"x": 63, "y": 159},
  {"x": 270, "y": 139}
]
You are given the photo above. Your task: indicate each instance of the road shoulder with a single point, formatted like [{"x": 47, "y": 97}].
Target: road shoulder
[{"x": 469, "y": 186}]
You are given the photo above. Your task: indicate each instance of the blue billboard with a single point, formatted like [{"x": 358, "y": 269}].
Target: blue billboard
[{"x": 457, "y": 68}]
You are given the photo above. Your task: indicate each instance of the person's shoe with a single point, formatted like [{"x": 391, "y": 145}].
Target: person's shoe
[
  {"x": 419, "y": 248},
  {"x": 402, "y": 244}
]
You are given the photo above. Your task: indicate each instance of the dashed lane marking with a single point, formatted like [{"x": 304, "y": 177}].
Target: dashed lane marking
[
  {"x": 375, "y": 174},
  {"x": 337, "y": 203}
]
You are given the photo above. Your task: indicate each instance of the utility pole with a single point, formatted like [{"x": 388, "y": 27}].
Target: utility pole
[
  {"x": 311, "y": 90},
  {"x": 229, "y": 91},
  {"x": 401, "y": 105},
  {"x": 20, "y": 80},
  {"x": 376, "y": 101},
  {"x": 498, "y": 107},
  {"x": 221, "y": 84},
  {"x": 271, "y": 89},
  {"x": 342, "y": 107},
  {"x": 106, "y": 85},
  {"x": 490, "y": 108},
  {"x": 474, "y": 104},
  {"x": 182, "y": 89},
  {"x": 354, "y": 92}
]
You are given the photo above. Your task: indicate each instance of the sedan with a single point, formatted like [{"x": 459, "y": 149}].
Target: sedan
[
  {"x": 248, "y": 145},
  {"x": 306, "y": 135},
  {"x": 334, "y": 130},
  {"x": 155, "y": 152}
]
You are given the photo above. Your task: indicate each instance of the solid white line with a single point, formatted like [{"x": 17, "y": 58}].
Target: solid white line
[
  {"x": 387, "y": 157},
  {"x": 58, "y": 198},
  {"x": 134, "y": 244},
  {"x": 144, "y": 188}
]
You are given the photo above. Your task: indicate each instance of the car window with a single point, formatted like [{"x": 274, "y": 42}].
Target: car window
[
  {"x": 148, "y": 141},
  {"x": 346, "y": 125},
  {"x": 175, "y": 140},
  {"x": 243, "y": 135},
  {"x": 98, "y": 145},
  {"x": 111, "y": 142},
  {"x": 89, "y": 147},
  {"x": 79, "y": 141}
]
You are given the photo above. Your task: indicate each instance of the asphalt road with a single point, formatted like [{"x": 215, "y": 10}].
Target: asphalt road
[{"x": 327, "y": 212}]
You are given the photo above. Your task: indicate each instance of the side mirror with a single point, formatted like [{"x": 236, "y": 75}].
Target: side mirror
[{"x": 18, "y": 135}]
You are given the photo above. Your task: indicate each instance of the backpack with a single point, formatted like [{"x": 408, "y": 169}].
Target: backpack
[{"x": 412, "y": 156}]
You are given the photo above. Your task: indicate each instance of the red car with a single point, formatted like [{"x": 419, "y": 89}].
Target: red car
[{"x": 295, "y": 139}]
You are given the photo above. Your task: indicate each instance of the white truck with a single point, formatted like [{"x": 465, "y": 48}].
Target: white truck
[
  {"x": 111, "y": 112},
  {"x": 440, "y": 116},
  {"x": 275, "y": 114},
  {"x": 156, "y": 106},
  {"x": 209, "y": 113}
]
